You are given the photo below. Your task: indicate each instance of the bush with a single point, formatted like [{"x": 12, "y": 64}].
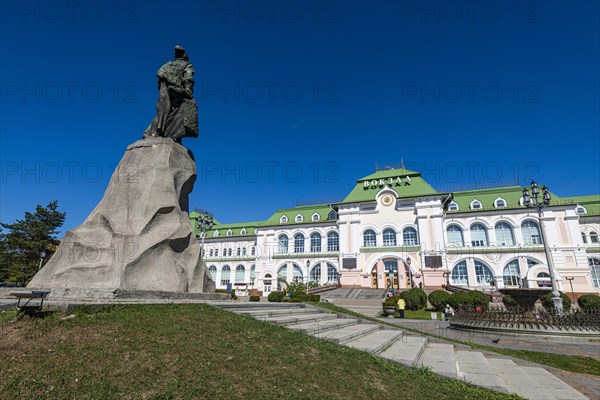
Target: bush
[
  {"x": 549, "y": 305},
  {"x": 315, "y": 298},
  {"x": 509, "y": 302},
  {"x": 458, "y": 299},
  {"x": 275, "y": 297},
  {"x": 439, "y": 299},
  {"x": 479, "y": 299},
  {"x": 416, "y": 299},
  {"x": 589, "y": 302},
  {"x": 389, "y": 302},
  {"x": 254, "y": 298}
]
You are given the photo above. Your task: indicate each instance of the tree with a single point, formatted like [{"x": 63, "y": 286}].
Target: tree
[{"x": 24, "y": 240}]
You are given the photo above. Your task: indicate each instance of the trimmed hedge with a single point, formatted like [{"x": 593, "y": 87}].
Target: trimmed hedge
[
  {"x": 439, "y": 299},
  {"x": 549, "y": 305},
  {"x": 275, "y": 297},
  {"x": 254, "y": 298},
  {"x": 458, "y": 299},
  {"x": 479, "y": 299},
  {"x": 589, "y": 302},
  {"x": 416, "y": 299}
]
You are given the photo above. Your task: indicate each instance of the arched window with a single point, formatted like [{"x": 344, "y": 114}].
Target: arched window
[
  {"x": 543, "y": 280},
  {"x": 584, "y": 238},
  {"x": 453, "y": 206},
  {"x": 213, "y": 272},
  {"x": 475, "y": 204},
  {"x": 229, "y": 232},
  {"x": 332, "y": 275},
  {"x": 216, "y": 252},
  {"x": 410, "y": 237},
  {"x": 499, "y": 202},
  {"x": 581, "y": 210},
  {"x": 369, "y": 238},
  {"x": 229, "y": 252},
  {"x": 210, "y": 253},
  {"x": 594, "y": 264},
  {"x": 455, "y": 236},
  {"x": 531, "y": 233},
  {"x": 283, "y": 244},
  {"x": 299, "y": 218},
  {"x": 299, "y": 243},
  {"x": 389, "y": 237},
  {"x": 315, "y": 217},
  {"x": 253, "y": 251},
  {"x": 283, "y": 219},
  {"x": 244, "y": 252},
  {"x": 315, "y": 273},
  {"x": 216, "y": 234},
  {"x": 281, "y": 274},
  {"x": 504, "y": 234},
  {"x": 238, "y": 251},
  {"x": 240, "y": 272},
  {"x": 298, "y": 275},
  {"x": 333, "y": 241},
  {"x": 225, "y": 275},
  {"x": 511, "y": 274},
  {"x": 332, "y": 215},
  {"x": 459, "y": 275},
  {"x": 593, "y": 237},
  {"x": 315, "y": 242},
  {"x": 478, "y": 235},
  {"x": 243, "y": 231},
  {"x": 483, "y": 274}
]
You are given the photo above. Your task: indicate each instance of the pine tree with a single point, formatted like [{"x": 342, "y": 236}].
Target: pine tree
[{"x": 22, "y": 242}]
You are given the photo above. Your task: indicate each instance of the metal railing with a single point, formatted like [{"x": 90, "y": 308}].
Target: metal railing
[{"x": 528, "y": 319}]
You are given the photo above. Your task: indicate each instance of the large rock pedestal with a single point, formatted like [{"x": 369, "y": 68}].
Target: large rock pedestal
[{"x": 139, "y": 236}]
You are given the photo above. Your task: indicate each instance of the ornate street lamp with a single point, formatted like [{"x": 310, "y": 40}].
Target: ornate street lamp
[
  {"x": 307, "y": 274},
  {"x": 205, "y": 222},
  {"x": 534, "y": 201},
  {"x": 410, "y": 282}
]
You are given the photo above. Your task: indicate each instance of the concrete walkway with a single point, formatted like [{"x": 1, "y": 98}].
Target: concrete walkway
[{"x": 496, "y": 373}]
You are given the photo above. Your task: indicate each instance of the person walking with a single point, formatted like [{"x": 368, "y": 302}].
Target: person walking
[
  {"x": 401, "y": 307},
  {"x": 448, "y": 311}
]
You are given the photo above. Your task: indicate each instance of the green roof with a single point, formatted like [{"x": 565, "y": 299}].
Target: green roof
[
  {"x": 591, "y": 203},
  {"x": 306, "y": 212},
  {"x": 404, "y": 182}
]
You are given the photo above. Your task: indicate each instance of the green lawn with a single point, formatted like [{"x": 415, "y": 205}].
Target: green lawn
[
  {"x": 196, "y": 351},
  {"x": 579, "y": 364}
]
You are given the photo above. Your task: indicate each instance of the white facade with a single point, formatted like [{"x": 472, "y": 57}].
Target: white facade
[{"x": 405, "y": 233}]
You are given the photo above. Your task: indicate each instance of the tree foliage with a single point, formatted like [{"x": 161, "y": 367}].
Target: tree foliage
[{"x": 22, "y": 242}]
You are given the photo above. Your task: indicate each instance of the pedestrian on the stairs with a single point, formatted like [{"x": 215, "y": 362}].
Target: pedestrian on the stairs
[
  {"x": 448, "y": 311},
  {"x": 401, "y": 307}
]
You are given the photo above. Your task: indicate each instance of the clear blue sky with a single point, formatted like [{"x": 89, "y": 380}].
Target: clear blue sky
[{"x": 298, "y": 100}]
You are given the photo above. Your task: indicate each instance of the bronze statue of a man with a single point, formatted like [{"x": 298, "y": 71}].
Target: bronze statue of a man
[{"x": 176, "y": 110}]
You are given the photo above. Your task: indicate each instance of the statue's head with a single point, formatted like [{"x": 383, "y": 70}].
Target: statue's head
[{"x": 179, "y": 51}]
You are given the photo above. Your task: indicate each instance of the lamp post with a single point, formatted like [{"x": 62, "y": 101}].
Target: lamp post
[
  {"x": 570, "y": 279},
  {"x": 307, "y": 275},
  {"x": 534, "y": 201},
  {"x": 42, "y": 256},
  {"x": 205, "y": 222},
  {"x": 410, "y": 282}
]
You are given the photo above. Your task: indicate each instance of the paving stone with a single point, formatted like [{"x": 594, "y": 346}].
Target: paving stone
[
  {"x": 474, "y": 368},
  {"x": 406, "y": 350},
  {"x": 440, "y": 358},
  {"x": 347, "y": 333},
  {"x": 516, "y": 380},
  {"x": 376, "y": 342},
  {"x": 553, "y": 385},
  {"x": 314, "y": 327}
]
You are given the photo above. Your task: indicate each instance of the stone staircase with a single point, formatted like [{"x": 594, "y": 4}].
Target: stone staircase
[
  {"x": 499, "y": 374},
  {"x": 354, "y": 293}
]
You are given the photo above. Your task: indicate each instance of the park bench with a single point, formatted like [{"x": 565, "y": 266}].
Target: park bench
[{"x": 33, "y": 300}]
